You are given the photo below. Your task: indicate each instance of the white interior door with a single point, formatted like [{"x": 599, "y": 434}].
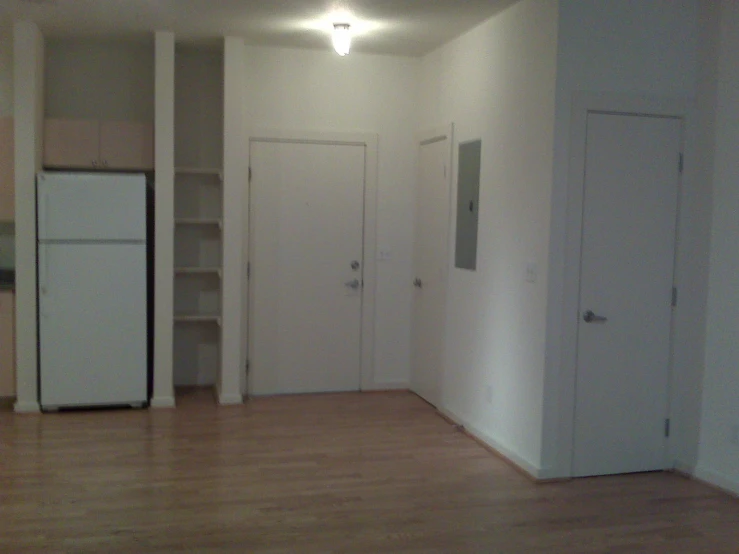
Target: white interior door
[
  {"x": 628, "y": 249},
  {"x": 92, "y": 324},
  {"x": 306, "y": 217},
  {"x": 431, "y": 267}
]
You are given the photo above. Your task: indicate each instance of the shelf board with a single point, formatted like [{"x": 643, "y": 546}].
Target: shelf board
[
  {"x": 198, "y": 221},
  {"x": 198, "y": 319},
  {"x": 198, "y": 270},
  {"x": 216, "y": 172}
]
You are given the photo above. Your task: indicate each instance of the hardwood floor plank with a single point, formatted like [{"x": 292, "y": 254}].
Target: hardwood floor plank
[{"x": 380, "y": 473}]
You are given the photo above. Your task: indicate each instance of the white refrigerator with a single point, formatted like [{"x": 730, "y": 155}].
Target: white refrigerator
[{"x": 92, "y": 290}]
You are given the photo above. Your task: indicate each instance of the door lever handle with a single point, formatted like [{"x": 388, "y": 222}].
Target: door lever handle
[
  {"x": 353, "y": 284},
  {"x": 591, "y": 317}
]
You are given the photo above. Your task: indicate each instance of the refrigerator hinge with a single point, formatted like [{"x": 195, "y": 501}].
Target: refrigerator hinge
[{"x": 667, "y": 428}]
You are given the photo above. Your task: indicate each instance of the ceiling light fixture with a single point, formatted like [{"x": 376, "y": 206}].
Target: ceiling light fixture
[{"x": 342, "y": 38}]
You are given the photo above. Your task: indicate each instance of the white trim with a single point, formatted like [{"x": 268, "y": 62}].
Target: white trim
[
  {"x": 162, "y": 402},
  {"x": 583, "y": 103},
  {"x": 230, "y": 399},
  {"x": 424, "y": 138},
  {"x": 435, "y": 134},
  {"x": 533, "y": 470},
  {"x": 371, "y": 143},
  {"x": 26, "y": 408},
  {"x": 718, "y": 479},
  {"x": 297, "y": 135}
]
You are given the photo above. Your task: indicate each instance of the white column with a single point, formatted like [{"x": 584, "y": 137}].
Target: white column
[
  {"x": 164, "y": 247},
  {"x": 28, "y": 51},
  {"x": 235, "y": 181}
]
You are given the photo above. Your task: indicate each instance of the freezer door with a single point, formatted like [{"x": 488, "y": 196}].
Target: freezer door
[
  {"x": 92, "y": 324},
  {"x": 90, "y": 207}
]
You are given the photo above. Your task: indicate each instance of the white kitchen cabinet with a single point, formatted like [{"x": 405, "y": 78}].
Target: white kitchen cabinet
[
  {"x": 90, "y": 144},
  {"x": 7, "y": 345},
  {"x": 7, "y": 171}
]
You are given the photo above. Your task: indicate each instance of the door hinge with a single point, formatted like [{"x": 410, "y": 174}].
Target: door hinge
[
  {"x": 681, "y": 162},
  {"x": 445, "y": 171},
  {"x": 248, "y": 270},
  {"x": 250, "y": 174},
  {"x": 667, "y": 428},
  {"x": 674, "y": 297},
  {"x": 248, "y": 366}
]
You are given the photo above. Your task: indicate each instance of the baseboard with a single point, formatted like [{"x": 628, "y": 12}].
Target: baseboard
[
  {"x": 27, "y": 407},
  {"x": 385, "y": 387},
  {"x": 162, "y": 402},
  {"x": 717, "y": 480},
  {"x": 230, "y": 399},
  {"x": 521, "y": 465}
]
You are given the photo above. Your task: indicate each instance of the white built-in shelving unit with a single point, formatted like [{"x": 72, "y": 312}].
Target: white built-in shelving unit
[{"x": 198, "y": 207}]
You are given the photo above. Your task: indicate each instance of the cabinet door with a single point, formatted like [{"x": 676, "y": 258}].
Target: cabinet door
[
  {"x": 7, "y": 346},
  {"x": 126, "y": 145},
  {"x": 7, "y": 172},
  {"x": 71, "y": 143}
]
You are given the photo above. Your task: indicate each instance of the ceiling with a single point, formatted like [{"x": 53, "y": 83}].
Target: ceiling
[{"x": 396, "y": 27}]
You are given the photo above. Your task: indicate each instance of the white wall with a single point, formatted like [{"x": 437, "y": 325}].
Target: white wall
[
  {"x": 97, "y": 79},
  {"x": 497, "y": 83},
  {"x": 7, "y": 230},
  {"x": 719, "y": 443},
  {"x": 7, "y": 244},
  {"x": 164, "y": 126},
  {"x": 319, "y": 91},
  {"x": 28, "y": 77},
  {"x": 6, "y": 70},
  {"x": 232, "y": 376},
  {"x": 636, "y": 48}
]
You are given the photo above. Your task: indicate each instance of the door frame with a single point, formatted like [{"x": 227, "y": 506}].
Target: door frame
[
  {"x": 423, "y": 138},
  {"x": 582, "y": 105},
  {"x": 370, "y": 141}
]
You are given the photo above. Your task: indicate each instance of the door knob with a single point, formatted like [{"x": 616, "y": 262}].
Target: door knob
[
  {"x": 418, "y": 283},
  {"x": 353, "y": 284},
  {"x": 591, "y": 317}
]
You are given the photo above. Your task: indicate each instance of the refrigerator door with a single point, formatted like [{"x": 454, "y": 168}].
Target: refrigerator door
[
  {"x": 92, "y": 324},
  {"x": 90, "y": 207}
]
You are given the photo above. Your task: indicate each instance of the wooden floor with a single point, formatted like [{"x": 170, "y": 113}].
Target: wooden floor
[{"x": 377, "y": 473}]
